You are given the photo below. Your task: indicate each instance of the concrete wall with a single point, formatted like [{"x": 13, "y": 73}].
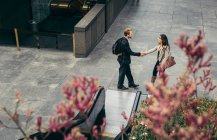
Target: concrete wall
[
  {"x": 113, "y": 8},
  {"x": 89, "y": 31}
]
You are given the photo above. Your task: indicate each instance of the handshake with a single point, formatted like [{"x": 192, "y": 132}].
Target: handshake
[{"x": 142, "y": 53}]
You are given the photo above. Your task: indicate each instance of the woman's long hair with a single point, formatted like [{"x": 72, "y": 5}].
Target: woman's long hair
[{"x": 164, "y": 39}]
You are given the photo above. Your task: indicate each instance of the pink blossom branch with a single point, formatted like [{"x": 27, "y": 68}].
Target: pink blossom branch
[
  {"x": 15, "y": 120},
  {"x": 124, "y": 116},
  {"x": 103, "y": 125},
  {"x": 166, "y": 101},
  {"x": 5, "y": 126},
  {"x": 28, "y": 115},
  {"x": 95, "y": 132},
  {"x": 79, "y": 94}
]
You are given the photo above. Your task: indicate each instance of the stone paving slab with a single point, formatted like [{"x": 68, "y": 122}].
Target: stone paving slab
[{"x": 36, "y": 74}]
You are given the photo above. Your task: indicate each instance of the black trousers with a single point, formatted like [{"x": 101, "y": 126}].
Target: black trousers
[
  {"x": 124, "y": 70},
  {"x": 155, "y": 71}
]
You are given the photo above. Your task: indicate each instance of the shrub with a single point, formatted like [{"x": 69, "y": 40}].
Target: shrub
[
  {"x": 78, "y": 98},
  {"x": 176, "y": 112}
]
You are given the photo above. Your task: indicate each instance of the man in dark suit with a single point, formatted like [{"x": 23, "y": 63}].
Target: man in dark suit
[{"x": 124, "y": 60}]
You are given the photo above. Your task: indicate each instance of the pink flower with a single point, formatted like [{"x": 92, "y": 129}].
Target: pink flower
[
  {"x": 28, "y": 114},
  {"x": 122, "y": 129},
  {"x": 159, "y": 132},
  {"x": 95, "y": 132},
  {"x": 16, "y": 117},
  {"x": 124, "y": 116},
  {"x": 38, "y": 123},
  {"x": 54, "y": 125},
  {"x": 67, "y": 90},
  {"x": 215, "y": 120},
  {"x": 132, "y": 118},
  {"x": 18, "y": 95},
  {"x": 103, "y": 125},
  {"x": 75, "y": 135},
  {"x": 142, "y": 122}
]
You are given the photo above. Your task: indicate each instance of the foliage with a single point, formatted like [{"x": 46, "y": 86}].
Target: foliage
[
  {"x": 176, "y": 112},
  {"x": 141, "y": 132},
  {"x": 79, "y": 93},
  {"x": 15, "y": 117}
]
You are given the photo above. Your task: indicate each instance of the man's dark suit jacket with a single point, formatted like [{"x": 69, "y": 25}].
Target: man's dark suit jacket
[{"x": 127, "y": 52}]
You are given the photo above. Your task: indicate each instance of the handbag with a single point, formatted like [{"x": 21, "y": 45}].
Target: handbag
[{"x": 169, "y": 62}]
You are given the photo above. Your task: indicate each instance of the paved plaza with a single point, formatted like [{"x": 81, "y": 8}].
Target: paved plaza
[{"x": 39, "y": 73}]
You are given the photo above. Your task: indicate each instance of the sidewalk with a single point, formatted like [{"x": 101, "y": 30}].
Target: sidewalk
[
  {"x": 39, "y": 74},
  {"x": 148, "y": 19}
]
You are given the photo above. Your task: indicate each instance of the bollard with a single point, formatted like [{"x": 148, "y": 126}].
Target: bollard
[
  {"x": 37, "y": 41},
  {"x": 17, "y": 39},
  {"x": 56, "y": 37},
  {"x": 73, "y": 43}
]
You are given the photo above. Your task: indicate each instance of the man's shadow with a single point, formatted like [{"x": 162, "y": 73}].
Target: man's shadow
[{"x": 135, "y": 2}]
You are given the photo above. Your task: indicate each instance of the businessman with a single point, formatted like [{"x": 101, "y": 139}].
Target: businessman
[{"x": 124, "y": 60}]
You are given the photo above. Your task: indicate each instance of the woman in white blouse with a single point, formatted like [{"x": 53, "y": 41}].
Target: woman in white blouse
[{"x": 163, "y": 49}]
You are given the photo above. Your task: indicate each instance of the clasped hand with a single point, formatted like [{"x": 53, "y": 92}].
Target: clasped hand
[{"x": 142, "y": 53}]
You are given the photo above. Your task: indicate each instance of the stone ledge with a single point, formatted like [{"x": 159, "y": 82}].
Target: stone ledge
[
  {"x": 87, "y": 20},
  {"x": 89, "y": 31}
]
